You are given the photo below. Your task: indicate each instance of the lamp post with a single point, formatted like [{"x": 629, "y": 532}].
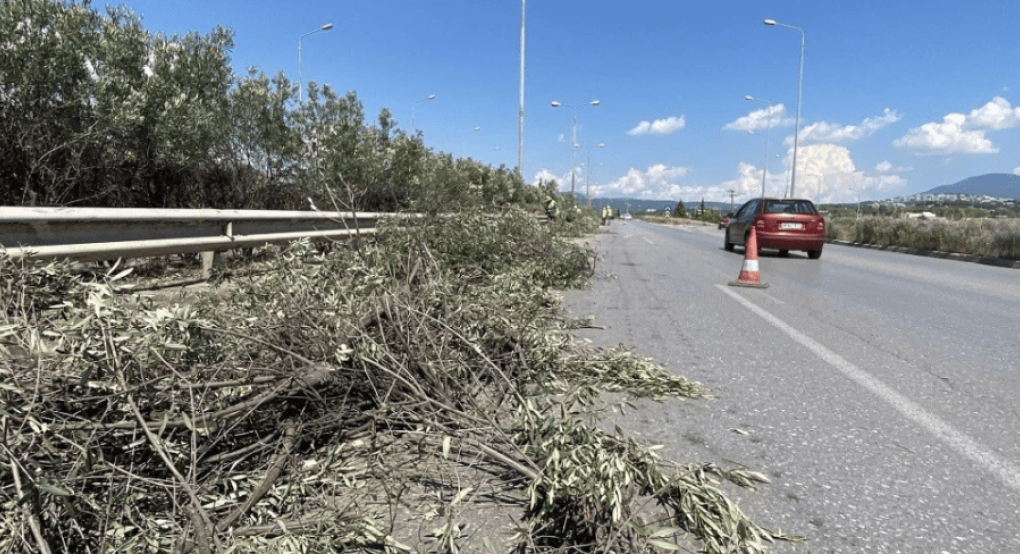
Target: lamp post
[
  {"x": 587, "y": 177},
  {"x": 768, "y": 125},
  {"x": 800, "y": 88},
  {"x": 301, "y": 91},
  {"x": 573, "y": 145},
  {"x": 429, "y": 97},
  {"x": 520, "y": 106}
]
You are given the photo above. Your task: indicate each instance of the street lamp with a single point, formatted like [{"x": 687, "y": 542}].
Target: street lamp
[
  {"x": 800, "y": 88},
  {"x": 573, "y": 128},
  {"x": 301, "y": 92},
  {"x": 520, "y": 106},
  {"x": 429, "y": 97},
  {"x": 768, "y": 124}
]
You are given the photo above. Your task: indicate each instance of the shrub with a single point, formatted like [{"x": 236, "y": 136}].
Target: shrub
[{"x": 999, "y": 238}]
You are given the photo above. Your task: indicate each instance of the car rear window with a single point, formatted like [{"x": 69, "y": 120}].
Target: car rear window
[{"x": 789, "y": 207}]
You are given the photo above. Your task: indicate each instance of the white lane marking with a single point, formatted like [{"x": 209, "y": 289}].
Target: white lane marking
[
  {"x": 958, "y": 441},
  {"x": 648, "y": 240},
  {"x": 773, "y": 298}
]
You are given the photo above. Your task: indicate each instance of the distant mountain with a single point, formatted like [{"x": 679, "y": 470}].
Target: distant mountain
[{"x": 997, "y": 185}]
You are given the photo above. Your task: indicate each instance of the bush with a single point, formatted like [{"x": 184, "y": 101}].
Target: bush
[{"x": 998, "y": 238}]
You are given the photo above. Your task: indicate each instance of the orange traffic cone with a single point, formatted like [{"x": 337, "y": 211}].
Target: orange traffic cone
[{"x": 749, "y": 276}]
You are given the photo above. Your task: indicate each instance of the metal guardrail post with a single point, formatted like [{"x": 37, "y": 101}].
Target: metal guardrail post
[{"x": 211, "y": 258}]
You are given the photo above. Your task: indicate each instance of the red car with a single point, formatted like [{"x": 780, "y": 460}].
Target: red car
[
  {"x": 724, "y": 220},
  {"x": 781, "y": 223}
]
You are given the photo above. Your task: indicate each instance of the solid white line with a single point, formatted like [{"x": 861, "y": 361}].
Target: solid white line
[
  {"x": 958, "y": 441},
  {"x": 648, "y": 239}
]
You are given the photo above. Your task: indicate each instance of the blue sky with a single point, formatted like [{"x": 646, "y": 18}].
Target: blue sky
[{"x": 898, "y": 96}]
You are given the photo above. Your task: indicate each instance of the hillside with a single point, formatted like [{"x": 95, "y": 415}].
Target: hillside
[{"x": 998, "y": 185}]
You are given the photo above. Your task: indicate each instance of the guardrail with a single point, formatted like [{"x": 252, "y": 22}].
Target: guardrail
[{"x": 94, "y": 234}]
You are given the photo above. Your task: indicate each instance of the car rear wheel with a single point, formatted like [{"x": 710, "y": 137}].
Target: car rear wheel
[
  {"x": 814, "y": 254},
  {"x": 726, "y": 242},
  {"x": 784, "y": 253}
]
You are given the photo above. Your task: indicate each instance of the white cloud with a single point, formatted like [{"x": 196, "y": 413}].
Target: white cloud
[
  {"x": 996, "y": 114},
  {"x": 1016, "y": 171},
  {"x": 544, "y": 176},
  {"x": 658, "y": 181},
  {"x": 883, "y": 167},
  {"x": 772, "y": 116},
  {"x": 960, "y": 133},
  {"x": 659, "y": 126},
  {"x": 827, "y": 173},
  {"x": 829, "y": 132},
  {"x": 948, "y": 137}
]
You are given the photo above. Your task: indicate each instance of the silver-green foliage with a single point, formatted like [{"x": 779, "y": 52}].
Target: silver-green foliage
[
  {"x": 293, "y": 410},
  {"x": 978, "y": 237}
]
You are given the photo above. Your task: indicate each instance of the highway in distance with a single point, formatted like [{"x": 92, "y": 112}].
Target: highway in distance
[{"x": 880, "y": 392}]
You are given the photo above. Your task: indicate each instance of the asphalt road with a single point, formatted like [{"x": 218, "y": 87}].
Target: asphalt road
[{"x": 879, "y": 391}]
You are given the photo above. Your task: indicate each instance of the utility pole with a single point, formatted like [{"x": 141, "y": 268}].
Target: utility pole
[{"x": 732, "y": 192}]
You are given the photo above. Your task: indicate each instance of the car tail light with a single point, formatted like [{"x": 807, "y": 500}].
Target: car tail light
[
  {"x": 759, "y": 226},
  {"x": 821, "y": 225}
]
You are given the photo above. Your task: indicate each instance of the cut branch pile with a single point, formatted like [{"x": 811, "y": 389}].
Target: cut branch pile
[{"x": 379, "y": 400}]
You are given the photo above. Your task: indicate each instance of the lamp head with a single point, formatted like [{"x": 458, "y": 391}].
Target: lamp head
[
  {"x": 748, "y": 97},
  {"x": 595, "y": 102},
  {"x": 555, "y": 104},
  {"x": 769, "y": 22},
  {"x": 431, "y": 97},
  {"x": 326, "y": 27}
]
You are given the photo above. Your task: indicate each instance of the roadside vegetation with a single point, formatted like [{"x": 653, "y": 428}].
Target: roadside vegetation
[
  {"x": 416, "y": 392},
  {"x": 381, "y": 397},
  {"x": 996, "y": 238},
  {"x": 97, "y": 111}
]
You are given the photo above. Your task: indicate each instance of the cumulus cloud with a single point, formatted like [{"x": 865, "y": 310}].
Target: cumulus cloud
[
  {"x": 949, "y": 137},
  {"x": 1016, "y": 171},
  {"x": 659, "y": 126},
  {"x": 772, "y": 116},
  {"x": 827, "y": 173},
  {"x": 829, "y": 132},
  {"x": 658, "y": 181},
  {"x": 544, "y": 176},
  {"x": 749, "y": 181},
  {"x": 887, "y": 167},
  {"x": 960, "y": 133},
  {"x": 996, "y": 114}
]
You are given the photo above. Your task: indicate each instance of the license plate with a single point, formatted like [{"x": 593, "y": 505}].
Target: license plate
[{"x": 790, "y": 226}]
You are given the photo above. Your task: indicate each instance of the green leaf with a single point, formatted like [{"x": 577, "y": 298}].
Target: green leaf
[
  {"x": 460, "y": 496},
  {"x": 52, "y": 489},
  {"x": 665, "y": 545}
]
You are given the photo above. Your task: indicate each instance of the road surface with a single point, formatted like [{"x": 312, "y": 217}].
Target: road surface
[{"x": 879, "y": 391}]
